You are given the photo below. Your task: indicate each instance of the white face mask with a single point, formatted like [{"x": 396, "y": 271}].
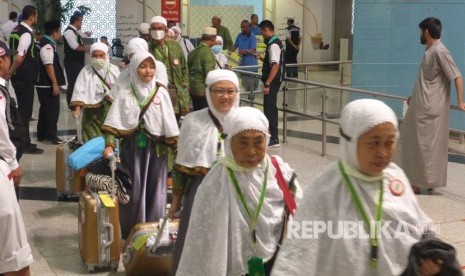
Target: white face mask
[
  {"x": 157, "y": 35},
  {"x": 98, "y": 63}
]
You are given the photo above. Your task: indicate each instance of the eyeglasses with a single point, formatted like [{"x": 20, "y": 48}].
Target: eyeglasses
[{"x": 221, "y": 92}]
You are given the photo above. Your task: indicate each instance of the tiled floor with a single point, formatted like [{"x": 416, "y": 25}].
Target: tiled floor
[{"x": 52, "y": 225}]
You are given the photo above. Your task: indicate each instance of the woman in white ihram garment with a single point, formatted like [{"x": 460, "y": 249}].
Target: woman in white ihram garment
[
  {"x": 91, "y": 90},
  {"x": 362, "y": 188},
  {"x": 136, "y": 45},
  {"x": 200, "y": 146},
  {"x": 239, "y": 211},
  {"x": 143, "y": 116}
]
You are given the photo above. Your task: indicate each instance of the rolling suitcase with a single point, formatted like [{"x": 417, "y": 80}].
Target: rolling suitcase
[
  {"x": 69, "y": 184},
  {"x": 149, "y": 248},
  {"x": 68, "y": 181},
  {"x": 99, "y": 231}
]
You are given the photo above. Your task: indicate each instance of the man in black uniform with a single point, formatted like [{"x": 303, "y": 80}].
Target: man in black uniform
[
  {"x": 74, "y": 51},
  {"x": 25, "y": 70},
  {"x": 272, "y": 76},
  {"x": 293, "y": 41},
  {"x": 51, "y": 77}
]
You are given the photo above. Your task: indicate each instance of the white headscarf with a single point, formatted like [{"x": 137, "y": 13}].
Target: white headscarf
[
  {"x": 219, "y": 38},
  {"x": 179, "y": 31},
  {"x": 159, "y": 119},
  {"x": 219, "y": 75},
  {"x": 135, "y": 45},
  {"x": 198, "y": 140},
  {"x": 219, "y": 226},
  {"x": 357, "y": 118},
  {"x": 89, "y": 89}
]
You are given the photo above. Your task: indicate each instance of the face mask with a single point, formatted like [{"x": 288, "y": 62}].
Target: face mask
[
  {"x": 157, "y": 35},
  {"x": 97, "y": 63},
  {"x": 217, "y": 49}
]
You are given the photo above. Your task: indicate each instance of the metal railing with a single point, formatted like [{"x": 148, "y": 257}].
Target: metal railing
[{"x": 311, "y": 86}]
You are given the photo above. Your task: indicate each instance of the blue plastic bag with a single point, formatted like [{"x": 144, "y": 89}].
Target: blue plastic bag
[{"x": 90, "y": 151}]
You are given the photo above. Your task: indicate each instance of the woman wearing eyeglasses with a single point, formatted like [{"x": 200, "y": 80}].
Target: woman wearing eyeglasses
[{"x": 200, "y": 145}]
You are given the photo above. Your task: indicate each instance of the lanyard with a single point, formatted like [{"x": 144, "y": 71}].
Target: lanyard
[
  {"x": 253, "y": 219},
  {"x": 161, "y": 55},
  {"x": 273, "y": 38},
  {"x": 51, "y": 40},
  {"x": 141, "y": 105},
  {"x": 363, "y": 214},
  {"x": 103, "y": 82}
]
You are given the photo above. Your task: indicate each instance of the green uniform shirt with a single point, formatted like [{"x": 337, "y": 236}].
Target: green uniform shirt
[
  {"x": 227, "y": 40},
  {"x": 172, "y": 56},
  {"x": 201, "y": 61}
]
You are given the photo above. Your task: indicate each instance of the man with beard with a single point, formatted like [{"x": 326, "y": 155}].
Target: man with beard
[{"x": 424, "y": 136}]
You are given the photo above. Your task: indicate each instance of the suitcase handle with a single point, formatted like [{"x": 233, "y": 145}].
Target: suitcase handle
[{"x": 110, "y": 234}]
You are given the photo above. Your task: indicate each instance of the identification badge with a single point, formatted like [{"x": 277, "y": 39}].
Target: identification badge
[
  {"x": 156, "y": 100},
  {"x": 140, "y": 242},
  {"x": 256, "y": 266},
  {"x": 396, "y": 187},
  {"x": 106, "y": 200},
  {"x": 141, "y": 140},
  {"x": 175, "y": 61}
]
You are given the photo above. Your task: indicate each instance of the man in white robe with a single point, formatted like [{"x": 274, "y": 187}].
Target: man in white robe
[{"x": 424, "y": 136}]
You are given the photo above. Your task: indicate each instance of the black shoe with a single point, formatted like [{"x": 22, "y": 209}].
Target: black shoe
[
  {"x": 33, "y": 150},
  {"x": 55, "y": 141},
  {"x": 40, "y": 139}
]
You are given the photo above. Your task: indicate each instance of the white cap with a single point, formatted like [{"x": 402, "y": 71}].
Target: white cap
[
  {"x": 177, "y": 29},
  {"x": 144, "y": 28},
  {"x": 159, "y": 19}
]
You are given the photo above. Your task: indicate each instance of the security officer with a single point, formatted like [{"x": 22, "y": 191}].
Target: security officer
[
  {"x": 51, "y": 77},
  {"x": 25, "y": 70}
]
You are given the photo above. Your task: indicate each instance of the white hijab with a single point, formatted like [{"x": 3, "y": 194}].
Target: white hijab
[
  {"x": 198, "y": 139},
  {"x": 136, "y": 45},
  {"x": 219, "y": 225},
  {"x": 357, "y": 118},
  {"x": 159, "y": 119},
  {"x": 329, "y": 200},
  {"x": 89, "y": 89}
]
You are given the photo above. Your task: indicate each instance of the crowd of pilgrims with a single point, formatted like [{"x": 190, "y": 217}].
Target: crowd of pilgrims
[{"x": 236, "y": 201}]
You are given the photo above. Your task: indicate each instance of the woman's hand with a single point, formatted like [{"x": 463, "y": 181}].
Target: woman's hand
[
  {"x": 175, "y": 206},
  {"x": 77, "y": 112},
  {"x": 428, "y": 267},
  {"x": 108, "y": 152}
]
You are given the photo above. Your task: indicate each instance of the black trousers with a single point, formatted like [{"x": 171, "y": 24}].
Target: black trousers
[
  {"x": 72, "y": 72},
  {"x": 49, "y": 112},
  {"x": 199, "y": 102},
  {"x": 24, "y": 90},
  {"x": 271, "y": 110}
]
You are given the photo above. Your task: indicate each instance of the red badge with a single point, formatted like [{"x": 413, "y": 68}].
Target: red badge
[
  {"x": 156, "y": 100},
  {"x": 396, "y": 187}
]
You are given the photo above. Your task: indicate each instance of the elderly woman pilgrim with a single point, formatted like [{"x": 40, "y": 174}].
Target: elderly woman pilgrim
[
  {"x": 201, "y": 145},
  {"x": 238, "y": 215},
  {"x": 143, "y": 116},
  {"x": 364, "y": 187},
  {"x": 91, "y": 91}
]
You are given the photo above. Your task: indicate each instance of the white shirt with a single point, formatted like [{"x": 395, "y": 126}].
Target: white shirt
[
  {"x": 7, "y": 27},
  {"x": 46, "y": 54},
  {"x": 275, "y": 53},
  {"x": 71, "y": 37},
  {"x": 25, "y": 41},
  {"x": 7, "y": 149}
]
